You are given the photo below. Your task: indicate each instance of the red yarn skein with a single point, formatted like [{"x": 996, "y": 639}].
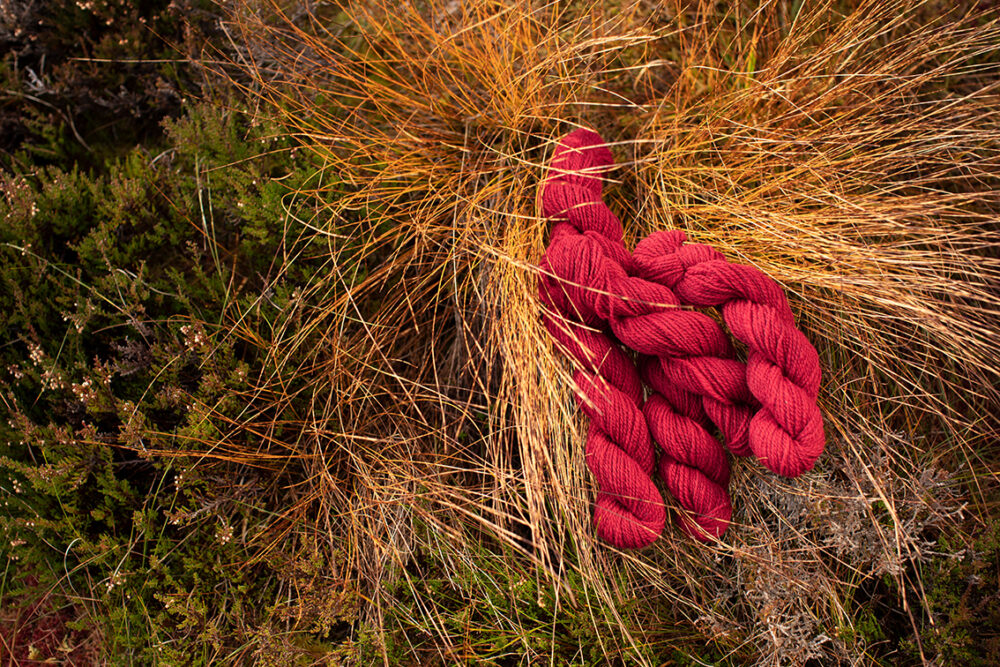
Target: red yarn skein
[
  {"x": 783, "y": 370},
  {"x": 629, "y": 510},
  {"x": 587, "y": 258}
]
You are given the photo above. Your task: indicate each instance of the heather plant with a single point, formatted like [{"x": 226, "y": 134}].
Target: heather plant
[
  {"x": 84, "y": 80},
  {"x": 121, "y": 376}
]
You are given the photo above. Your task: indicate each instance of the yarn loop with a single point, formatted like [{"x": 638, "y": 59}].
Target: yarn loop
[{"x": 783, "y": 370}]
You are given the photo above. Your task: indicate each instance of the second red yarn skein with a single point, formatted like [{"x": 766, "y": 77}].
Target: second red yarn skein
[{"x": 783, "y": 370}]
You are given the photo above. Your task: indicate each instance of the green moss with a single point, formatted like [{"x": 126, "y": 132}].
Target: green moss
[{"x": 962, "y": 599}]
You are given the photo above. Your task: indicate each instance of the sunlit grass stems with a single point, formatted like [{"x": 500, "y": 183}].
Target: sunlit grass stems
[{"x": 848, "y": 150}]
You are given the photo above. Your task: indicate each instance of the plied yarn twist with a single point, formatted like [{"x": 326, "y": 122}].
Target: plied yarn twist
[
  {"x": 783, "y": 370},
  {"x": 586, "y": 289}
]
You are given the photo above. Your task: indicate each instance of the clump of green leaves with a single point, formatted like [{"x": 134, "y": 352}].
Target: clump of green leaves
[{"x": 122, "y": 379}]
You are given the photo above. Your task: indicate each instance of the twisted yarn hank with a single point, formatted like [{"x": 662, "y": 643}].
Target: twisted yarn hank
[
  {"x": 586, "y": 261},
  {"x": 629, "y": 510},
  {"x": 783, "y": 370}
]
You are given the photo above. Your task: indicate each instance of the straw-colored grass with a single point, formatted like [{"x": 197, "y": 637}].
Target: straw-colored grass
[{"x": 849, "y": 150}]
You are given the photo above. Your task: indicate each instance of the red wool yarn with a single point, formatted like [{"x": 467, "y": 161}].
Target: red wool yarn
[
  {"x": 629, "y": 510},
  {"x": 691, "y": 364},
  {"x": 783, "y": 370}
]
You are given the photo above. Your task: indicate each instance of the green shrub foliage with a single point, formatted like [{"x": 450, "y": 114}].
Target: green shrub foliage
[{"x": 119, "y": 375}]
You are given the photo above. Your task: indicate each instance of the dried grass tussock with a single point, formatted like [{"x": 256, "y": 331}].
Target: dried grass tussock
[{"x": 851, "y": 150}]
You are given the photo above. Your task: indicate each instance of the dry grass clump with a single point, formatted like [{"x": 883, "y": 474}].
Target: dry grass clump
[{"x": 850, "y": 150}]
